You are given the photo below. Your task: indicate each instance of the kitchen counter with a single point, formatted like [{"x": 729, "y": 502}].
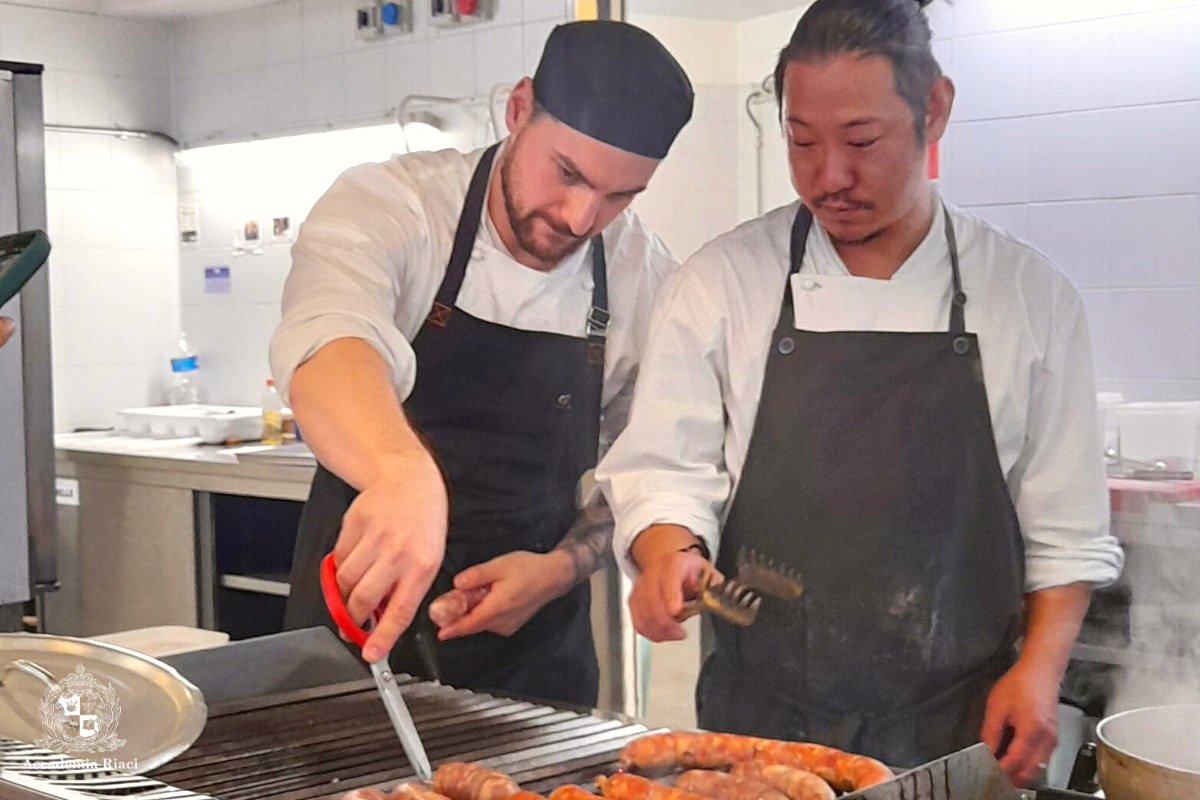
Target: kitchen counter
[
  {"x": 186, "y": 464},
  {"x": 175, "y": 532},
  {"x": 140, "y": 526}
]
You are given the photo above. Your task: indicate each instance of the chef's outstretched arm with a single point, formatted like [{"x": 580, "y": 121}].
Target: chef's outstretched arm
[
  {"x": 1025, "y": 700},
  {"x": 394, "y": 534}
]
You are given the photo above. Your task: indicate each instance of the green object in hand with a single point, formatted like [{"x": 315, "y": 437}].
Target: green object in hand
[{"x": 21, "y": 255}]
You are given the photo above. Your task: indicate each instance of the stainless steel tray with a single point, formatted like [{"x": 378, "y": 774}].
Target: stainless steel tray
[{"x": 137, "y": 712}]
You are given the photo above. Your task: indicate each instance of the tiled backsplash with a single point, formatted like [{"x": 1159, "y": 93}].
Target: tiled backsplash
[
  {"x": 114, "y": 269},
  {"x": 1075, "y": 127},
  {"x": 298, "y": 64}
]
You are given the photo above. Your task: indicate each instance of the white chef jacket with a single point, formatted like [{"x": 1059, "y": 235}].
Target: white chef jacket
[
  {"x": 680, "y": 458},
  {"x": 372, "y": 253}
]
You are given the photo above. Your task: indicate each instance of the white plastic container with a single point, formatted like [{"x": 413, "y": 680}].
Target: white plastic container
[
  {"x": 1160, "y": 431},
  {"x": 213, "y": 424}
]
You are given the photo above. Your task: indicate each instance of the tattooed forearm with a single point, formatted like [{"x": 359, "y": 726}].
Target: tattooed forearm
[{"x": 589, "y": 541}]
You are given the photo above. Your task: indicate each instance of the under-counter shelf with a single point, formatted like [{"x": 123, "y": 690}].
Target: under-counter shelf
[{"x": 261, "y": 584}]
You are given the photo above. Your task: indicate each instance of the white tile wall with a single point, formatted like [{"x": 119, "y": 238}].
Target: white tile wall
[
  {"x": 1159, "y": 57},
  {"x": 987, "y": 163},
  {"x": 499, "y": 58},
  {"x": 1070, "y": 156},
  {"x": 1111, "y": 194},
  {"x": 1156, "y": 333},
  {"x": 1070, "y": 67},
  {"x": 111, "y": 207},
  {"x": 1078, "y": 237},
  {"x": 298, "y": 65},
  {"x": 1155, "y": 241},
  {"x": 1155, "y": 150},
  {"x": 693, "y": 195},
  {"x": 985, "y": 92}
]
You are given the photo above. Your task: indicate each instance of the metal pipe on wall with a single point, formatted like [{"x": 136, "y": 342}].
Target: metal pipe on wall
[{"x": 764, "y": 92}]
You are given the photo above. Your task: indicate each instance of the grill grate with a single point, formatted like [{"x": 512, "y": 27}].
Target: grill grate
[
  {"x": 317, "y": 744},
  {"x": 34, "y": 771}
]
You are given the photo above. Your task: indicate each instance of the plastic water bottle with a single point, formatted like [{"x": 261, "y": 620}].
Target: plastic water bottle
[
  {"x": 184, "y": 367},
  {"x": 272, "y": 403}
]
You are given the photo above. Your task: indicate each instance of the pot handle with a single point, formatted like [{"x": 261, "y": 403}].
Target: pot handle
[{"x": 1083, "y": 774}]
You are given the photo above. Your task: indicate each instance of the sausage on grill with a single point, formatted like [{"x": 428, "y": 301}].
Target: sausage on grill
[
  {"x": 719, "y": 786},
  {"x": 795, "y": 783},
  {"x": 624, "y": 786},
  {"x": 459, "y": 781},
  {"x": 845, "y": 772}
]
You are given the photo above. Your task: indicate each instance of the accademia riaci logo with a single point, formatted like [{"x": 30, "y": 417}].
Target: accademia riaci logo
[{"x": 80, "y": 715}]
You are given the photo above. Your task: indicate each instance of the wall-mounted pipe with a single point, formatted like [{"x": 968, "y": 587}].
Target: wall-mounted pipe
[
  {"x": 119, "y": 133},
  {"x": 764, "y": 92},
  {"x": 490, "y": 117}
]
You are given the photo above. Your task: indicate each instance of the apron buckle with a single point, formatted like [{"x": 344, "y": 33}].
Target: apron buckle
[{"x": 439, "y": 315}]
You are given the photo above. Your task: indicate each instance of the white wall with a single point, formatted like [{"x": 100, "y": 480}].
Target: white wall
[
  {"x": 708, "y": 184},
  {"x": 111, "y": 207},
  {"x": 231, "y": 184},
  {"x": 298, "y": 65},
  {"x": 693, "y": 195},
  {"x": 1076, "y": 127}
]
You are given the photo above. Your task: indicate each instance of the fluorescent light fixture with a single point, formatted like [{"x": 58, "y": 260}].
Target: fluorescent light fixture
[{"x": 280, "y": 159}]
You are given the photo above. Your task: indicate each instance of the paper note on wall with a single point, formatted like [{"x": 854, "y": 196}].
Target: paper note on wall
[{"x": 217, "y": 280}]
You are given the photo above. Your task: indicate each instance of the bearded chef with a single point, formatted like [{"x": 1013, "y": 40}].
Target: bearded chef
[
  {"x": 891, "y": 396},
  {"x": 460, "y": 337}
]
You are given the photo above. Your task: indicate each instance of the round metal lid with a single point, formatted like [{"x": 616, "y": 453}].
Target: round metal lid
[{"x": 95, "y": 701}]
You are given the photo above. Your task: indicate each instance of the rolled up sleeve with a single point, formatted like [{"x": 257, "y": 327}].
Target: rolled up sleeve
[
  {"x": 348, "y": 271},
  {"x": 1058, "y": 484},
  {"x": 667, "y": 466}
]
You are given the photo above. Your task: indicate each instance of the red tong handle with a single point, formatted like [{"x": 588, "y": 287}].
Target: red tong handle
[{"x": 337, "y": 606}]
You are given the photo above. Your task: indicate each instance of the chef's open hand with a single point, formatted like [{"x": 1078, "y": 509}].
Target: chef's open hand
[
  {"x": 390, "y": 547},
  {"x": 7, "y": 327},
  {"x": 1025, "y": 700},
  {"x": 670, "y": 575},
  {"x": 518, "y": 583}
]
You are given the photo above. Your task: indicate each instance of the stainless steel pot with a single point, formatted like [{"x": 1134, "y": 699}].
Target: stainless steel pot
[{"x": 1151, "y": 753}]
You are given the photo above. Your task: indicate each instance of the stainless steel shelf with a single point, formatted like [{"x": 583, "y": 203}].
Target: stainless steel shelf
[{"x": 256, "y": 584}]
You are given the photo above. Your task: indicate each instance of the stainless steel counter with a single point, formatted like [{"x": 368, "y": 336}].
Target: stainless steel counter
[
  {"x": 138, "y": 548},
  {"x": 134, "y": 527},
  {"x": 184, "y": 464}
]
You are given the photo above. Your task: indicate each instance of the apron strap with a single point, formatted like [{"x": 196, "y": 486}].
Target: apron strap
[
  {"x": 800, "y": 227},
  {"x": 598, "y": 316},
  {"x": 958, "y": 325},
  {"x": 464, "y": 241},
  {"x": 799, "y": 241}
]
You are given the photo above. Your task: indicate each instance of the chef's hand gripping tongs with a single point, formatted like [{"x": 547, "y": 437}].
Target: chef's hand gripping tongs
[
  {"x": 393, "y": 701},
  {"x": 736, "y": 600}
]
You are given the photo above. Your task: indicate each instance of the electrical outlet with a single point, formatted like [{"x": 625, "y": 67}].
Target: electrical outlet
[
  {"x": 445, "y": 13},
  {"x": 367, "y": 20},
  {"x": 397, "y": 17}
]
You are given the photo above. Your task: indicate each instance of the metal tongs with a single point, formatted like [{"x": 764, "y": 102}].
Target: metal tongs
[
  {"x": 385, "y": 681},
  {"x": 736, "y": 600}
]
